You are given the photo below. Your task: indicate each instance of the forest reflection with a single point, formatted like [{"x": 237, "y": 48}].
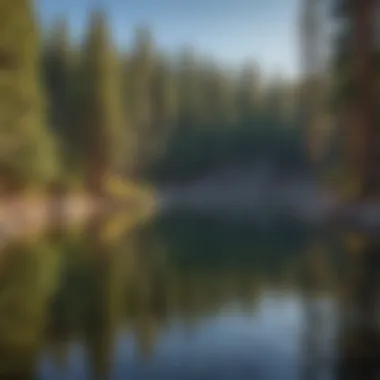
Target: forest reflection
[{"x": 75, "y": 294}]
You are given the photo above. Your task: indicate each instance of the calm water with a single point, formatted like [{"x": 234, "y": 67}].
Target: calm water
[{"x": 182, "y": 297}]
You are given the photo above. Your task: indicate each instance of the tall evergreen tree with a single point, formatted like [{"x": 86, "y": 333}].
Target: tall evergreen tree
[
  {"x": 102, "y": 122},
  {"x": 190, "y": 91},
  {"x": 218, "y": 97},
  {"x": 127, "y": 80},
  {"x": 248, "y": 93},
  {"x": 355, "y": 90},
  {"x": 164, "y": 104},
  {"x": 59, "y": 69},
  {"x": 26, "y": 147},
  {"x": 277, "y": 96},
  {"x": 140, "y": 83}
]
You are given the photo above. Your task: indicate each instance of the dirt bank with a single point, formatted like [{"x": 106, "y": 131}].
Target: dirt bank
[{"x": 29, "y": 215}]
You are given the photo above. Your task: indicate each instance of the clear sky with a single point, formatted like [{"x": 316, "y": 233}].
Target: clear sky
[{"x": 230, "y": 30}]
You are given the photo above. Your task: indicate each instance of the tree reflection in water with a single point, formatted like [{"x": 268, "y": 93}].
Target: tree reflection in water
[
  {"x": 89, "y": 289},
  {"x": 360, "y": 339}
]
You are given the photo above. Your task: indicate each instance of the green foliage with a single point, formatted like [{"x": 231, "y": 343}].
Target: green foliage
[
  {"x": 59, "y": 74},
  {"x": 30, "y": 279},
  {"x": 140, "y": 113},
  {"x": 101, "y": 121},
  {"x": 194, "y": 152},
  {"x": 27, "y": 147},
  {"x": 219, "y": 118}
]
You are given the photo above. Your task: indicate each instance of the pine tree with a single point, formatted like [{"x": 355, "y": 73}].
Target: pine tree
[
  {"x": 128, "y": 100},
  {"x": 140, "y": 88},
  {"x": 248, "y": 93},
  {"x": 190, "y": 91},
  {"x": 356, "y": 91},
  {"x": 164, "y": 106},
  {"x": 27, "y": 151},
  {"x": 101, "y": 122},
  {"x": 218, "y": 97},
  {"x": 59, "y": 69}
]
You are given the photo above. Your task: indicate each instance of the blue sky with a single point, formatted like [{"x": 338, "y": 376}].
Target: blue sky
[{"x": 230, "y": 30}]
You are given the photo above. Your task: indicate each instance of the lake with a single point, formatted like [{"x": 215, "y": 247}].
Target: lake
[{"x": 185, "y": 296}]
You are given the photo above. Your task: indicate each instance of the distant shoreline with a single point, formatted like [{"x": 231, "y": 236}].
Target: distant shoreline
[{"x": 302, "y": 199}]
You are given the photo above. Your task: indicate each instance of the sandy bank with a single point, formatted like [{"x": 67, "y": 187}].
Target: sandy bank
[{"x": 24, "y": 216}]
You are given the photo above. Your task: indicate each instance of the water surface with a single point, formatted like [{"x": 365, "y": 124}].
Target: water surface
[{"x": 180, "y": 297}]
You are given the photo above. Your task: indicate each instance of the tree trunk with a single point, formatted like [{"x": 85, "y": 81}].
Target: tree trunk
[{"x": 364, "y": 74}]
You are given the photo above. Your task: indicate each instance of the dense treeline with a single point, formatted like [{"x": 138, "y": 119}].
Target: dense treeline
[
  {"x": 85, "y": 110},
  {"x": 173, "y": 117}
]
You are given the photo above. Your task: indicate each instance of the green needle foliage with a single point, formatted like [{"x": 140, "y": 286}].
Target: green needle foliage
[
  {"x": 101, "y": 123},
  {"x": 91, "y": 110},
  {"x": 27, "y": 152}
]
